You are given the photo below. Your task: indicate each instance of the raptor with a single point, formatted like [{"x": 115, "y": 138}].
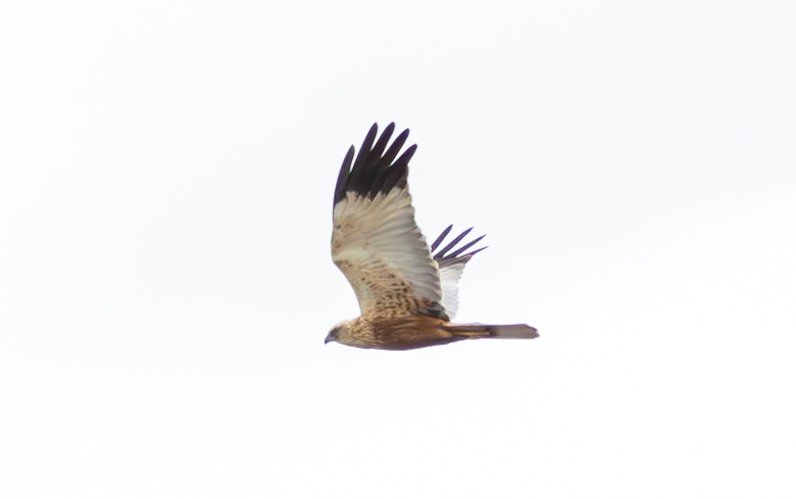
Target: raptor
[{"x": 407, "y": 291}]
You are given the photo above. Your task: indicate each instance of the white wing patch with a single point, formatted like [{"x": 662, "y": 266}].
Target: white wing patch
[
  {"x": 449, "y": 279},
  {"x": 380, "y": 249}
]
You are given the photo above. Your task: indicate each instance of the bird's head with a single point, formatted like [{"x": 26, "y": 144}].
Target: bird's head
[{"x": 337, "y": 333}]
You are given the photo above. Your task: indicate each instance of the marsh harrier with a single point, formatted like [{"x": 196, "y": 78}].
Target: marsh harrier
[{"x": 407, "y": 294}]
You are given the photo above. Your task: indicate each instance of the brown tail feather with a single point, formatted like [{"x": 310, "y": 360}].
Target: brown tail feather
[{"x": 519, "y": 331}]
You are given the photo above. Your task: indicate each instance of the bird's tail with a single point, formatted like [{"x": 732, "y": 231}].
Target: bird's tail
[{"x": 516, "y": 331}]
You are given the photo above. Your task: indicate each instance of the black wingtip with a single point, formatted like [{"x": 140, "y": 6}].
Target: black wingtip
[
  {"x": 442, "y": 236},
  {"x": 378, "y": 148},
  {"x": 466, "y": 247},
  {"x": 468, "y": 255},
  {"x": 342, "y": 177},
  {"x": 364, "y": 150},
  {"x": 441, "y": 253},
  {"x": 445, "y": 258},
  {"x": 396, "y": 146},
  {"x": 375, "y": 170},
  {"x": 406, "y": 156}
]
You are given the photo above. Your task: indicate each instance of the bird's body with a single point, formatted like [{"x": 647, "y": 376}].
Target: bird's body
[
  {"x": 417, "y": 331},
  {"x": 395, "y": 333},
  {"x": 407, "y": 297}
]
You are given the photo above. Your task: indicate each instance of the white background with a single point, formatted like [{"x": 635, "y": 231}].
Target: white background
[{"x": 166, "y": 178}]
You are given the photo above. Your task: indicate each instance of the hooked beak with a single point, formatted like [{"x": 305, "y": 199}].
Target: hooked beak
[{"x": 329, "y": 338}]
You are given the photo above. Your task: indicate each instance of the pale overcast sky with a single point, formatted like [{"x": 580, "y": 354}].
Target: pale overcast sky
[{"x": 166, "y": 179}]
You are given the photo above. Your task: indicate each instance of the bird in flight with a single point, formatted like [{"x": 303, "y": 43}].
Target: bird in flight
[{"x": 407, "y": 294}]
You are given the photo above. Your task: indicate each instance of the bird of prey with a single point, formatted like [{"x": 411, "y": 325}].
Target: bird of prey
[{"x": 407, "y": 295}]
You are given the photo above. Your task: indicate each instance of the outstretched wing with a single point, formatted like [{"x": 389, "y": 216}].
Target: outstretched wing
[
  {"x": 375, "y": 240},
  {"x": 451, "y": 265}
]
